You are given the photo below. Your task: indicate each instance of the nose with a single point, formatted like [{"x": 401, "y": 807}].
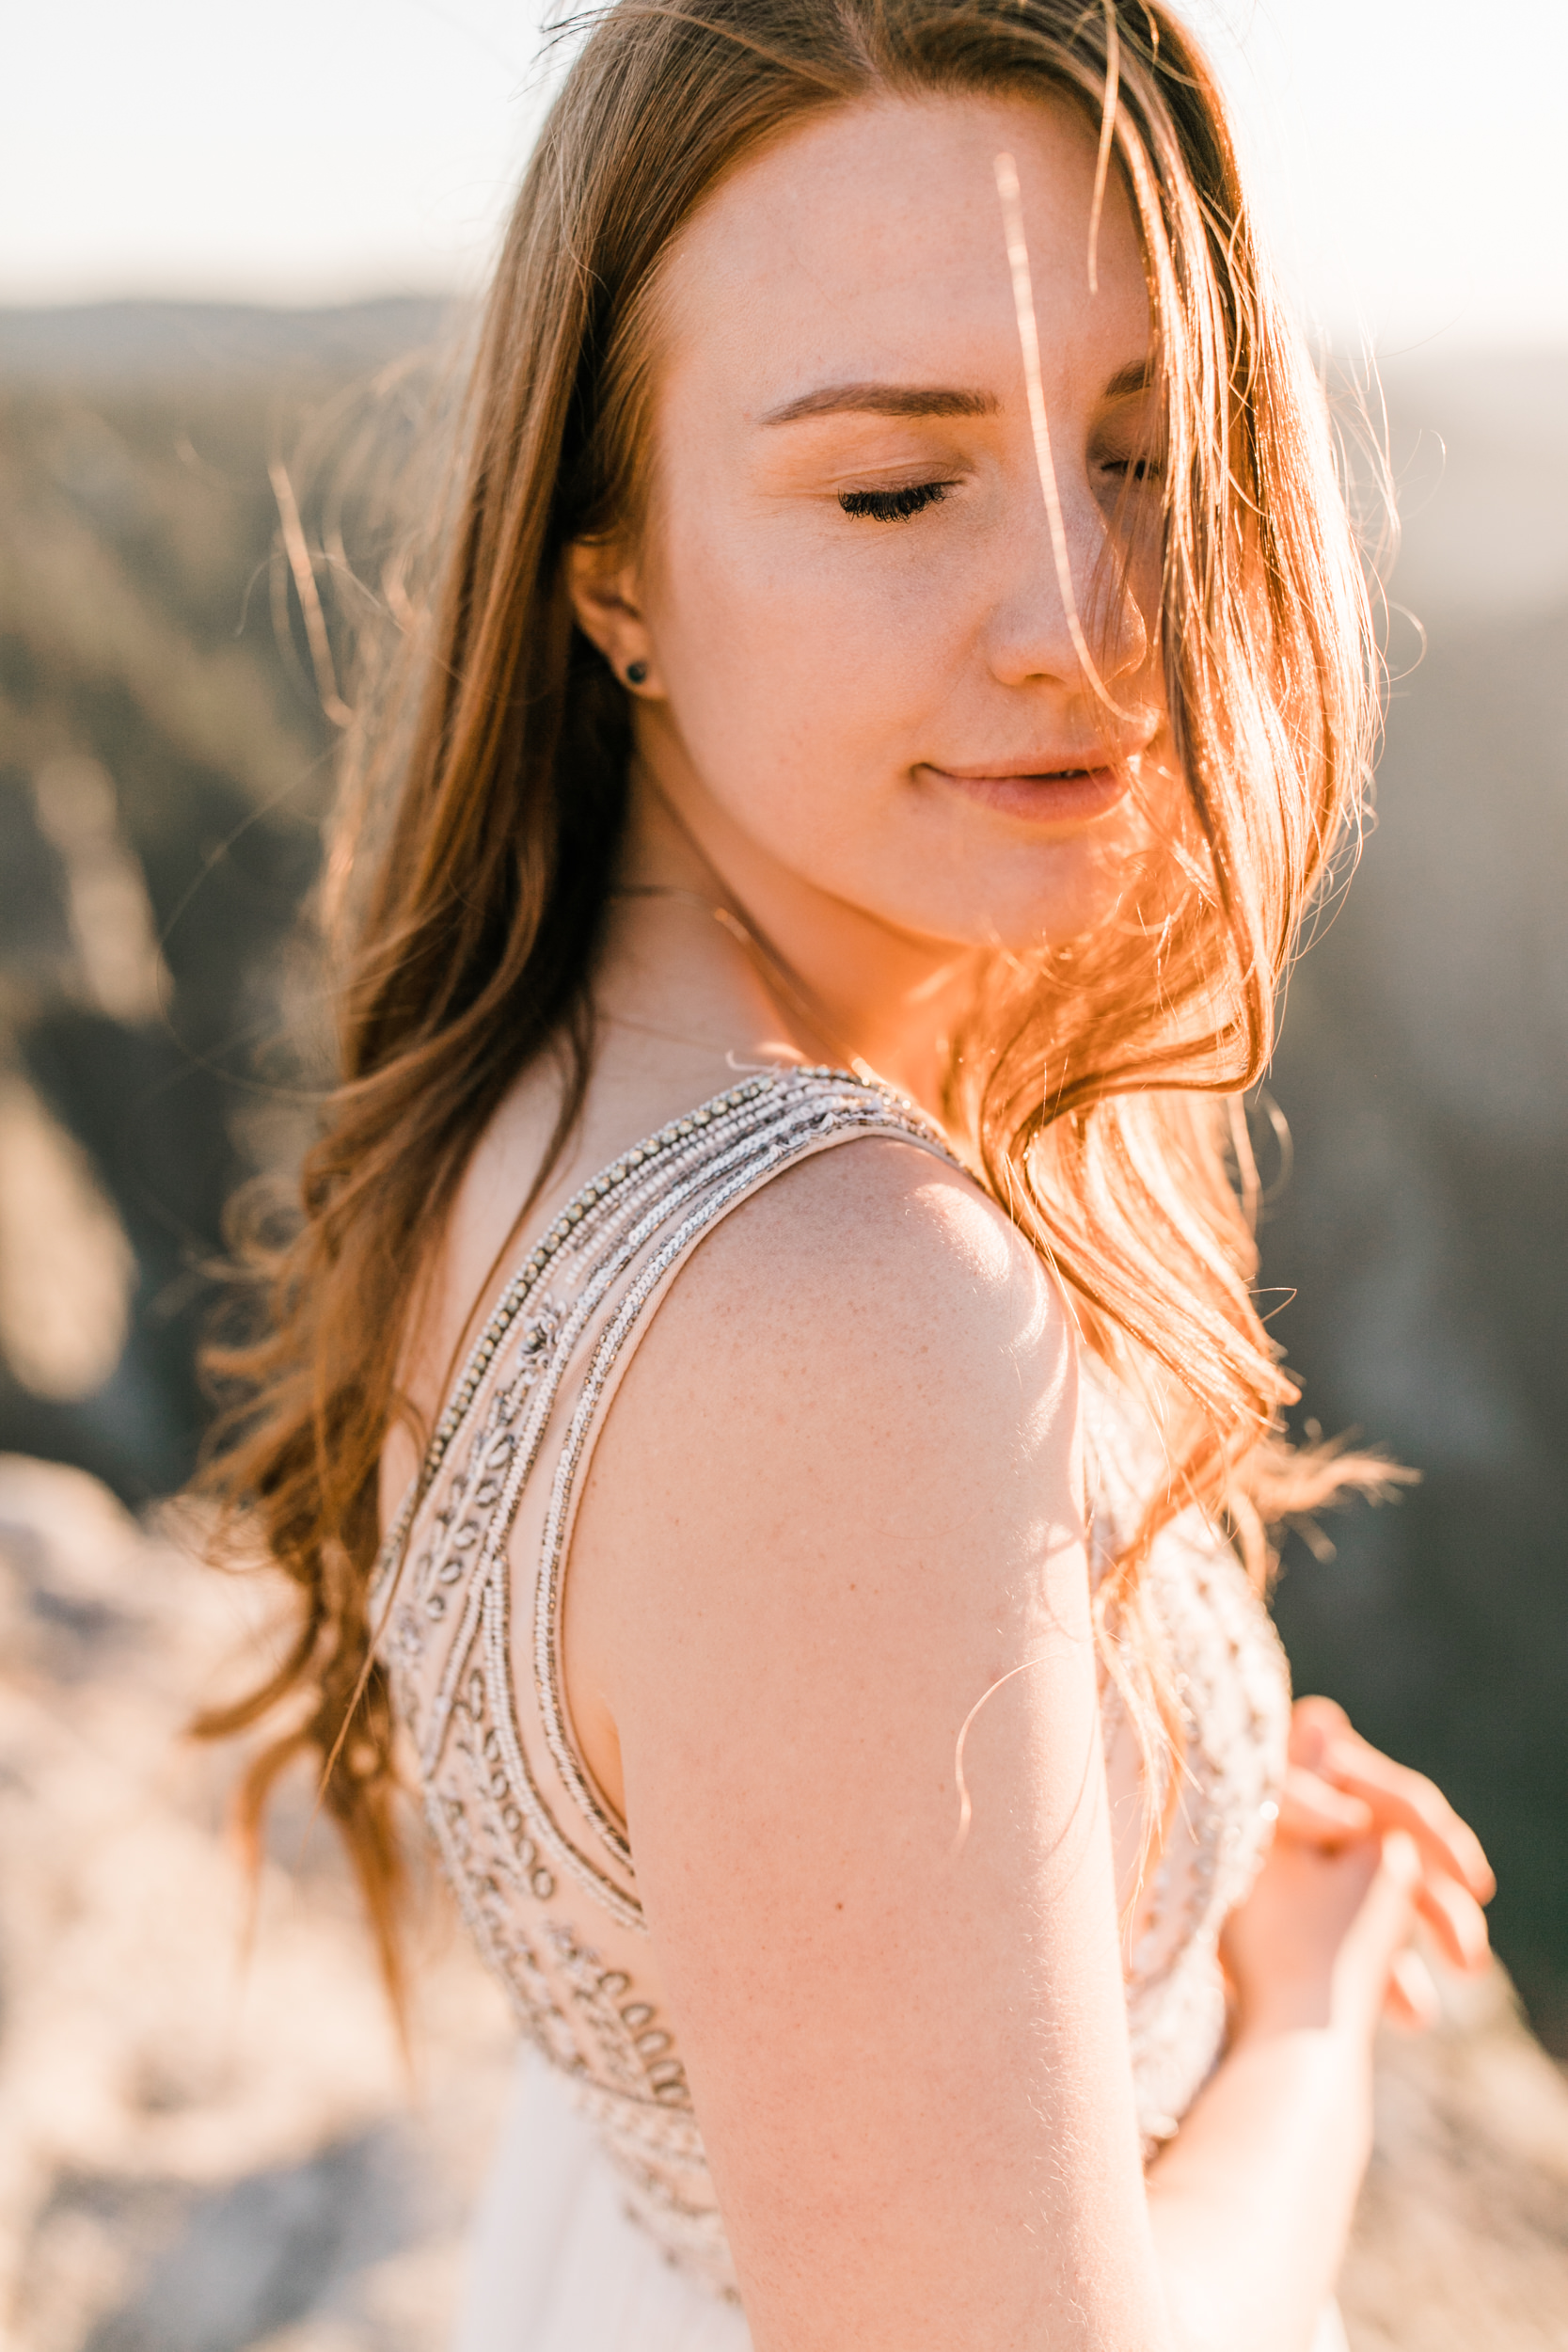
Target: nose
[{"x": 1060, "y": 596}]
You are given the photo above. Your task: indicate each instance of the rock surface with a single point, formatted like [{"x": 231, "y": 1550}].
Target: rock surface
[
  {"x": 209, "y": 2151},
  {"x": 203, "y": 2149}
]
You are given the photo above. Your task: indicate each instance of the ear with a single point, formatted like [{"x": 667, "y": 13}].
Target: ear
[{"x": 602, "y": 582}]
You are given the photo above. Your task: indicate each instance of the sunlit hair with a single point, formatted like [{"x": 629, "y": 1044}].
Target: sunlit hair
[{"x": 1098, "y": 1087}]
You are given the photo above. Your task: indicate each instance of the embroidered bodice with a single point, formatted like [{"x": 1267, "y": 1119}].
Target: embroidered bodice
[{"x": 468, "y": 1595}]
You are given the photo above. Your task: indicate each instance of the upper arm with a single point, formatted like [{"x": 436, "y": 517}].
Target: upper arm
[{"x": 831, "y": 1509}]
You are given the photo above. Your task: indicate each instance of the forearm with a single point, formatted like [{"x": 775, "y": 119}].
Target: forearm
[{"x": 1251, "y": 2204}]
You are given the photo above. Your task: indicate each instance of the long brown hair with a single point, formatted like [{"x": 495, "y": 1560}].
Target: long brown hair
[{"x": 1100, "y": 1088}]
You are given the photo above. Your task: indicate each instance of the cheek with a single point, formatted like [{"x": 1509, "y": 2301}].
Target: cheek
[{"x": 785, "y": 648}]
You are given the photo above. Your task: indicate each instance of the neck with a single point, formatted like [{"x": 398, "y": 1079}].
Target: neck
[{"x": 826, "y": 981}]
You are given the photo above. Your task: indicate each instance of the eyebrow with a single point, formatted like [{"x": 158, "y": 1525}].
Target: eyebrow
[
  {"x": 1138, "y": 377},
  {"x": 884, "y": 399},
  {"x": 922, "y": 400}
]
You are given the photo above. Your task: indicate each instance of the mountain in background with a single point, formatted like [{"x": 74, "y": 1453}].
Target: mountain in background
[{"x": 112, "y": 345}]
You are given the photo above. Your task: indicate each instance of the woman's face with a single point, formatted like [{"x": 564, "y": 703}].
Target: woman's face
[{"x": 863, "y": 682}]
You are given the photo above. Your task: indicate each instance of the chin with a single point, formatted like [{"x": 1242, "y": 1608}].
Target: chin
[
  {"x": 969, "y": 884},
  {"x": 1083, "y": 891}
]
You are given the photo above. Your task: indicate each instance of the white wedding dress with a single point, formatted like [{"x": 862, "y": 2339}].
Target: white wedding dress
[{"x": 600, "y": 2231}]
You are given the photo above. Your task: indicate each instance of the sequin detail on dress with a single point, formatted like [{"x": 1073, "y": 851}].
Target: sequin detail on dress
[{"x": 540, "y": 1866}]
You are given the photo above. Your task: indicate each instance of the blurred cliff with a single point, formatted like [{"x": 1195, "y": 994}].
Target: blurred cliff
[
  {"x": 164, "y": 767},
  {"x": 1419, "y": 1244},
  {"x": 169, "y": 658}
]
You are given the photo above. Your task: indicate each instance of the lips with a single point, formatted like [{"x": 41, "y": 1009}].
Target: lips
[
  {"x": 1044, "y": 792},
  {"x": 1039, "y": 767}
]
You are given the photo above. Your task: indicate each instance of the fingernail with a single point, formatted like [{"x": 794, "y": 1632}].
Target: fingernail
[{"x": 1402, "y": 1856}]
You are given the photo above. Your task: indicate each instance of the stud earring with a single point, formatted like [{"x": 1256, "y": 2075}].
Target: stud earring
[{"x": 637, "y": 672}]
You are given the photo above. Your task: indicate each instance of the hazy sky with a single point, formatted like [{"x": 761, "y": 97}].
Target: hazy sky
[{"x": 1410, "y": 153}]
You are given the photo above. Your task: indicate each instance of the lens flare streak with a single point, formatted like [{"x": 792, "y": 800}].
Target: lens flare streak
[{"x": 1029, "y": 347}]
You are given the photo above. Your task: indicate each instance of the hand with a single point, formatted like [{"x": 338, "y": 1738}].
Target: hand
[
  {"x": 1340, "y": 1790},
  {"x": 1319, "y": 1939}
]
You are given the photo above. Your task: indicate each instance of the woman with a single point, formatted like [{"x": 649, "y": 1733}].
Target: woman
[{"x": 898, "y": 674}]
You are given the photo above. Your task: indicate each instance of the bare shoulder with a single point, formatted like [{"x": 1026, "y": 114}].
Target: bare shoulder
[
  {"x": 848, "y": 1433},
  {"x": 877, "y": 1270}
]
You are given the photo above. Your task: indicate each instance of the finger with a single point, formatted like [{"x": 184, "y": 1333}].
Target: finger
[
  {"x": 1455, "y": 1918},
  {"x": 1405, "y": 1800},
  {"x": 1388, "y": 1914},
  {"x": 1324, "y": 1739},
  {"x": 1313, "y": 1723},
  {"x": 1413, "y": 2001},
  {"x": 1317, "y": 1813}
]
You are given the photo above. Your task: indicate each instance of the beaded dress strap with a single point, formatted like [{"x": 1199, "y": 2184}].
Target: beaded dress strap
[{"x": 614, "y": 1248}]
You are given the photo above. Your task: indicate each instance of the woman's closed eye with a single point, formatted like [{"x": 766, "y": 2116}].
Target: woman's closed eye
[{"x": 893, "y": 506}]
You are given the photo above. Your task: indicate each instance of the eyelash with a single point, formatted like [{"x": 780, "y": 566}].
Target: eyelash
[{"x": 893, "y": 506}]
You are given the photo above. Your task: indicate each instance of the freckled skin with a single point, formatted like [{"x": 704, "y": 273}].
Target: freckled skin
[{"x": 814, "y": 676}]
